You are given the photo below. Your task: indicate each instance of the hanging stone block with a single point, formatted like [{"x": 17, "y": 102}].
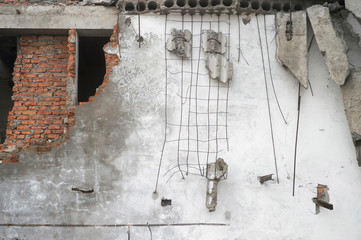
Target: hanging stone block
[
  {"x": 179, "y": 43},
  {"x": 331, "y": 45},
  {"x": 352, "y": 100},
  {"x": 216, "y": 171},
  {"x": 292, "y": 48},
  {"x": 214, "y": 45}
]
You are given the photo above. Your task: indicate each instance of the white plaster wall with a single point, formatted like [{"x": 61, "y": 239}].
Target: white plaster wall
[{"x": 116, "y": 145}]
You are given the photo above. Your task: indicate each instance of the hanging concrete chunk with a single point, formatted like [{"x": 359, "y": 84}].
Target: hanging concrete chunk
[
  {"x": 293, "y": 53},
  {"x": 216, "y": 171},
  {"x": 214, "y": 45},
  {"x": 352, "y": 100},
  {"x": 331, "y": 45},
  {"x": 179, "y": 43},
  {"x": 354, "y": 6}
]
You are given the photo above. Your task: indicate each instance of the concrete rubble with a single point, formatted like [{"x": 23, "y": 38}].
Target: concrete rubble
[
  {"x": 330, "y": 45},
  {"x": 216, "y": 171},
  {"x": 352, "y": 100},
  {"x": 214, "y": 45},
  {"x": 354, "y": 6},
  {"x": 354, "y": 25},
  {"x": 293, "y": 53},
  {"x": 179, "y": 43}
]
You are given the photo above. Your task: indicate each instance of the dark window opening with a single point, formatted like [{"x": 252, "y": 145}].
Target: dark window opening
[
  {"x": 91, "y": 66},
  {"x": 8, "y": 53}
]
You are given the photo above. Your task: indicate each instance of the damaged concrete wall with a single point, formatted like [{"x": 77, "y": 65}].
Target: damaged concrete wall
[
  {"x": 352, "y": 100},
  {"x": 331, "y": 45},
  {"x": 293, "y": 53},
  {"x": 44, "y": 93}
]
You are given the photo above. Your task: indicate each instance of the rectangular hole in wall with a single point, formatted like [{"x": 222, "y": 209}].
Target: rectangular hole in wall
[
  {"x": 91, "y": 66},
  {"x": 8, "y": 53}
]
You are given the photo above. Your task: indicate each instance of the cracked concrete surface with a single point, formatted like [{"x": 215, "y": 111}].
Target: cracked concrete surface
[
  {"x": 330, "y": 44},
  {"x": 293, "y": 54},
  {"x": 352, "y": 100}
]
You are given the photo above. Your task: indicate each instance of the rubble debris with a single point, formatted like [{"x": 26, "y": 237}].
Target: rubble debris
[
  {"x": 216, "y": 171},
  {"x": 330, "y": 45},
  {"x": 265, "y": 178},
  {"x": 322, "y": 199},
  {"x": 354, "y": 6},
  {"x": 352, "y": 101},
  {"x": 166, "y": 202},
  {"x": 82, "y": 190},
  {"x": 354, "y": 25},
  {"x": 214, "y": 45},
  {"x": 293, "y": 53},
  {"x": 179, "y": 43},
  {"x": 246, "y": 19}
]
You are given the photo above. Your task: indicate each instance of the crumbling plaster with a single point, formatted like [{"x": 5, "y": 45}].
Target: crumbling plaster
[{"x": 115, "y": 145}]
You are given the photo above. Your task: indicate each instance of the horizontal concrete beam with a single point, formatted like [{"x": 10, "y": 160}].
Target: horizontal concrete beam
[{"x": 57, "y": 17}]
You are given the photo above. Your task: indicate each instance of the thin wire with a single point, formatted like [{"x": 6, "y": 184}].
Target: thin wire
[
  {"x": 296, "y": 141},
  {"x": 268, "y": 103},
  {"x": 165, "y": 105},
  {"x": 150, "y": 231},
  {"x": 190, "y": 93},
  {"x": 239, "y": 38},
  {"x": 128, "y": 232},
  {"x": 270, "y": 71},
  {"x": 181, "y": 110},
  {"x": 229, "y": 55},
  {"x": 208, "y": 110},
  {"x": 215, "y": 169},
  {"x": 196, "y": 95},
  {"x": 309, "y": 47}
]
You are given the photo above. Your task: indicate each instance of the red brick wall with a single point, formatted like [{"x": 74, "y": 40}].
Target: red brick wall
[{"x": 43, "y": 93}]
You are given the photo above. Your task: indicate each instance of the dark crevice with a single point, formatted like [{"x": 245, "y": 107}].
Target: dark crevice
[
  {"x": 255, "y": 5},
  {"x": 244, "y": 4},
  {"x": 266, "y": 6},
  {"x": 227, "y": 3},
  {"x": 129, "y": 6},
  {"x": 8, "y": 53},
  {"x": 91, "y": 66},
  {"x": 215, "y": 2},
  {"x": 181, "y": 3},
  {"x": 152, "y": 6},
  {"x": 192, "y": 3},
  {"x": 203, "y": 3},
  {"x": 141, "y": 6},
  {"x": 169, "y": 3}
]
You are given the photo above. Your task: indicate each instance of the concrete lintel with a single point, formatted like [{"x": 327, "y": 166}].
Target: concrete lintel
[{"x": 57, "y": 17}]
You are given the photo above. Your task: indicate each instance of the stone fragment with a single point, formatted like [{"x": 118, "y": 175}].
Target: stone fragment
[
  {"x": 330, "y": 45},
  {"x": 214, "y": 45},
  {"x": 293, "y": 53},
  {"x": 352, "y": 100},
  {"x": 213, "y": 42},
  {"x": 354, "y": 6},
  {"x": 216, "y": 171},
  {"x": 179, "y": 43}
]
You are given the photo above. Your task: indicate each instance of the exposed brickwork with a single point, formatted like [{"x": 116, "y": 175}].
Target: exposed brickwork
[
  {"x": 111, "y": 60},
  {"x": 38, "y": 119},
  {"x": 44, "y": 94}
]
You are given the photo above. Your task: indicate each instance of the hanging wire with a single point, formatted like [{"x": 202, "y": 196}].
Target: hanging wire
[
  {"x": 181, "y": 111},
  {"x": 270, "y": 71},
  {"x": 165, "y": 104},
  {"x": 150, "y": 232},
  {"x": 296, "y": 141},
  {"x": 268, "y": 103},
  {"x": 190, "y": 95}
]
